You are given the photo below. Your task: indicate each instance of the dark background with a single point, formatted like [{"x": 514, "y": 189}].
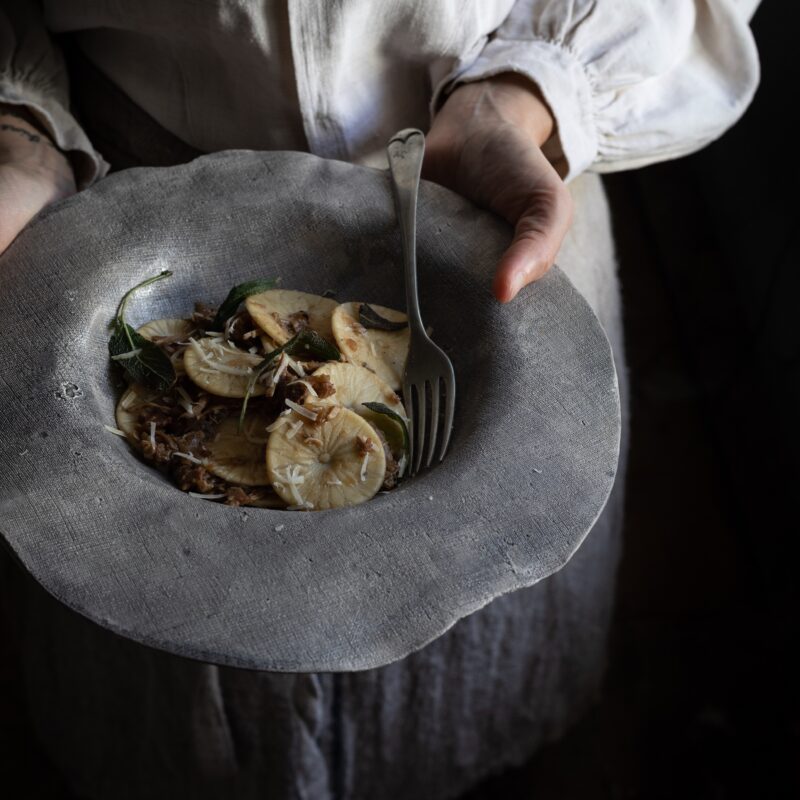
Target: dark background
[{"x": 701, "y": 695}]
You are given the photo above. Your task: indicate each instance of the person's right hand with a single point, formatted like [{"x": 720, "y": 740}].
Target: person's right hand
[{"x": 33, "y": 173}]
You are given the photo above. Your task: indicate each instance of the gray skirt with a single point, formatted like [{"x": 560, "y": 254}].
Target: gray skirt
[{"x": 124, "y": 721}]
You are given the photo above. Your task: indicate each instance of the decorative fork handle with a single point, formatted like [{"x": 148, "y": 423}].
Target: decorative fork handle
[{"x": 406, "y": 149}]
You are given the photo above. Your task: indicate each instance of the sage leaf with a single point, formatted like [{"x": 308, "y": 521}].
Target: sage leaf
[
  {"x": 144, "y": 361},
  {"x": 370, "y": 318},
  {"x": 396, "y": 421},
  {"x": 150, "y": 366},
  {"x": 235, "y": 296},
  {"x": 310, "y": 344}
]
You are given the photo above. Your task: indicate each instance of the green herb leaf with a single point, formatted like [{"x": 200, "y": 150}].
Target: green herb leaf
[
  {"x": 389, "y": 422},
  {"x": 310, "y": 345},
  {"x": 370, "y": 318},
  {"x": 235, "y": 297},
  {"x": 307, "y": 344},
  {"x": 144, "y": 361},
  {"x": 148, "y": 364},
  {"x": 120, "y": 315}
]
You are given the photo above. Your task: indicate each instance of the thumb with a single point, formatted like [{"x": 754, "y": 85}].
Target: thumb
[{"x": 538, "y": 234}]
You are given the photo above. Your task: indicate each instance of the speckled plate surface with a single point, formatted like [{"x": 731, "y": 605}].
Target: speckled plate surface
[{"x": 532, "y": 460}]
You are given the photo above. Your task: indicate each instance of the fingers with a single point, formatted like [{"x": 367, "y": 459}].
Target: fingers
[{"x": 538, "y": 235}]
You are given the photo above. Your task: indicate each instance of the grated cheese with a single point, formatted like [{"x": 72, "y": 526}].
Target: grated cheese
[
  {"x": 111, "y": 429},
  {"x": 296, "y": 366},
  {"x": 218, "y": 366},
  {"x": 153, "y": 435},
  {"x": 129, "y": 354},
  {"x": 188, "y": 457},
  {"x": 305, "y": 505},
  {"x": 294, "y": 428},
  {"x": 311, "y": 390},
  {"x": 364, "y": 462},
  {"x": 303, "y": 412},
  {"x": 281, "y": 368},
  {"x": 333, "y": 482},
  {"x": 187, "y": 401}
]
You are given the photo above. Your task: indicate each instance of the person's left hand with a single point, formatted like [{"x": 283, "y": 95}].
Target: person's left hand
[{"x": 485, "y": 144}]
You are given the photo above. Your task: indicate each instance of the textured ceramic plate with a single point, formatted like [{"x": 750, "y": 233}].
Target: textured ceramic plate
[{"x": 532, "y": 459}]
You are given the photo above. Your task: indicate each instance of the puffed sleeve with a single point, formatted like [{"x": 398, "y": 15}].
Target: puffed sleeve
[
  {"x": 32, "y": 74},
  {"x": 629, "y": 82}
]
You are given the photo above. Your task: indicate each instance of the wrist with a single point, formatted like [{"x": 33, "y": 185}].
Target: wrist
[
  {"x": 25, "y": 141},
  {"x": 517, "y": 99}
]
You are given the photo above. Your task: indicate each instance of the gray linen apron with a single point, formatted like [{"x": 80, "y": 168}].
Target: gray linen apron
[{"x": 123, "y": 721}]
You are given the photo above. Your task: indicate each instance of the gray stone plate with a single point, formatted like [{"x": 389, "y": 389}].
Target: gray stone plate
[{"x": 532, "y": 460}]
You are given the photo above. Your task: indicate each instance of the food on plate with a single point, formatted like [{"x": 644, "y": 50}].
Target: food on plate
[
  {"x": 252, "y": 403},
  {"x": 327, "y": 459},
  {"x": 282, "y": 313},
  {"x": 381, "y": 349}
]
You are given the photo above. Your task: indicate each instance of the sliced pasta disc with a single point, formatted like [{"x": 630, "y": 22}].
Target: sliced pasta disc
[
  {"x": 220, "y": 368},
  {"x": 239, "y": 457},
  {"x": 281, "y": 313},
  {"x": 268, "y": 343},
  {"x": 354, "y": 386},
  {"x": 383, "y": 352},
  {"x": 173, "y": 329},
  {"x": 129, "y": 405},
  {"x": 337, "y": 463},
  {"x": 169, "y": 331}
]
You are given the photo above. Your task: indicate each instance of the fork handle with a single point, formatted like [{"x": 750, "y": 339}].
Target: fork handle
[{"x": 405, "y": 150}]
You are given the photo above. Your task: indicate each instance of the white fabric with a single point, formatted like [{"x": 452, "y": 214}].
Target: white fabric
[{"x": 630, "y": 82}]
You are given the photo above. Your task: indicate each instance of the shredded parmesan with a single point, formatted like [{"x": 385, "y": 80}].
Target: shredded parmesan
[
  {"x": 292, "y": 478},
  {"x": 187, "y": 401},
  {"x": 129, "y": 354},
  {"x": 282, "y": 364},
  {"x": 333, "y": 482},
  {"x": 364, "y": 462},
  {"x": 218, "y": 366},
  {"x": 206, "y": 496},
  {"x": 111, "y": 430},
  {"x": 294, "y": 428},
  {"x": 302, "y": 411},
  {"x": 188, "y": 457},
  {"x": 253, "y": 350},
  {"x": 296, "y": 366},
  {"x": 305, "y": 505},
  {"x": 153, "y": 435},
  {"x": 372, "y": 349},
  {"x": 311, "y": 390}
]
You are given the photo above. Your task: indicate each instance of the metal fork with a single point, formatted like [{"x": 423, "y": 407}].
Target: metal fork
[{"x": 427, "y": 364}]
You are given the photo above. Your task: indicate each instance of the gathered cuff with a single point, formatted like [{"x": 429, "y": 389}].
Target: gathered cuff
[{"x": 87, "y": 164}]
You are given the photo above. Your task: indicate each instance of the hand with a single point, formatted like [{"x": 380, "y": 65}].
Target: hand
[
  {"x": 485, "y": 144},
  {"x": 33, "y": 173}
]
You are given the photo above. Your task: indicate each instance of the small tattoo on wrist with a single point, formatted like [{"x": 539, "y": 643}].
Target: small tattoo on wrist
[{"x": 33, "y": 138}]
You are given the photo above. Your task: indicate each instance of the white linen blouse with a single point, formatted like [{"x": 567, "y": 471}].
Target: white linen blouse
[{"x": 629, "y": 82}]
